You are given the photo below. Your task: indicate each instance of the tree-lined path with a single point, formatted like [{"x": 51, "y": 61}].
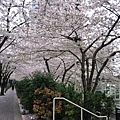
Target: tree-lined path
[{"x": 9, "y": 108}]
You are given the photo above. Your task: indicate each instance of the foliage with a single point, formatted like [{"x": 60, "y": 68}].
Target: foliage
[
  {"x": 43, "y": 80},
  {"x": 26, "y": 87},
  {"x": 21, "y": 85},
  {"x": 25, "y": 93},
  {"x": 100, "y": 102},
  {"x": 108, "y": 105},
  {"x": 30, "y": 92},
  {"x": 43, "y": 104},
  {"x": 70, "y": 111},
  {"x": 37, "y": 93}
]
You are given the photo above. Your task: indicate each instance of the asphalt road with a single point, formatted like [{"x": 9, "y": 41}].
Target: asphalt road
[{"x": 9, "y": 108}]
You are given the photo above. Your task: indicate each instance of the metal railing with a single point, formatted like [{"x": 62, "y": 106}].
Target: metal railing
[{"x": 62, "y": 98}]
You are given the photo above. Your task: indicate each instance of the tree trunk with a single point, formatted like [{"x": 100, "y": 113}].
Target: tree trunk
[
  {"x": 2, "y": 88},
  {"x": 86, "y": 115},
  {"x": 0, "y": 72},
  {"x": 108, "y": 117},
  {"x": 3, "y": 85}
]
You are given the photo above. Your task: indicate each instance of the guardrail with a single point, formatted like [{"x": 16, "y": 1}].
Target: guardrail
[{"x": 62, "y": 98}]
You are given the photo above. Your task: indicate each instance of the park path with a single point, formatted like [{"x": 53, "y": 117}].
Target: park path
[{"x": 9, "y": 107}]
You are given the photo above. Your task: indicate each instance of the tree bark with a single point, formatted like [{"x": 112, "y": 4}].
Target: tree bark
[
  {"x": 0, "y": 72},
  {"x": 2, "y": 88}
]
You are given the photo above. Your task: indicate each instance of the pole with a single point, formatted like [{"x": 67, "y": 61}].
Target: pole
[{"x": 54, "y": 109}]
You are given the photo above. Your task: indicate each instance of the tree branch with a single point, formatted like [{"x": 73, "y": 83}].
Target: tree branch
[
  {"x": 66, "y": 70},
  {"x": 113, "y": 26},
  {"x": 93, "y": 43},
  {"x": 18, "y": 25},
  {"x": 100, "y": 47},
  {"x": 47, "y": 65},
  {"x": 75, "y": 56},
  {"x": 75, "y": 39},
  {"x": 101, "y": 69},
  {"x": 7, "y": 46},
  {"x": 110, "y": 10},
  {"x": 3, "y": 41}
]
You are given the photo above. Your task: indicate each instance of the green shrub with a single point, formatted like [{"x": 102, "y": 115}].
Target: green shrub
[
  {"x": 26, "y": 87},
  {"x": 43, "y": 80},
  {"x": 21, "y": 85},
  {"x": 100, "y": 102},
  {"x": 69, "y": 111},
  {"x": 26, "y": 93}
]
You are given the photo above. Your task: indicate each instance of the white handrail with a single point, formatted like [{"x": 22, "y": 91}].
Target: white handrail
[{"x": 62, "y": 98}]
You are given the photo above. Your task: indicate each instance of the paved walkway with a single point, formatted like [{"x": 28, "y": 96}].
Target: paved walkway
[{"x": 9, "y": 108}]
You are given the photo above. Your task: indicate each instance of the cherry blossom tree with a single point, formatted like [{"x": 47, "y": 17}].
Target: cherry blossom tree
[
  {"x": 70, "y": 27},
  {"x": 75, "y": 35},
  {"x": 76, "y": 40},
  {"x": 73, "y": 39},
  {"x": 6, "y": 71},
  {"x": 13, "y": 16}
]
